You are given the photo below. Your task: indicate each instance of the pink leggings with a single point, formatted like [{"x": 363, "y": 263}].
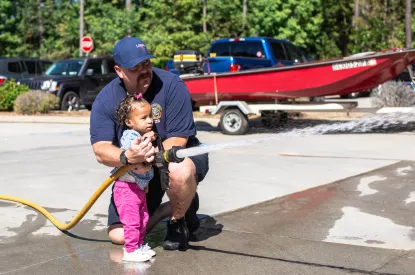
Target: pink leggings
[{"x": 131, "y": 205}]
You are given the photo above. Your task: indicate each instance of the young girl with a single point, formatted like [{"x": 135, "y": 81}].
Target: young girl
[{"x": 134, "y": 112}]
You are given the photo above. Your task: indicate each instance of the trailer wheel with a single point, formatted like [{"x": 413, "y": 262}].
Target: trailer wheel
[{"x": 233, "y": 122}]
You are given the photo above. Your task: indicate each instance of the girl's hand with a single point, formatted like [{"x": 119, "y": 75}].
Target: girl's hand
[
  {"x": 141, "y": 168},
  {"x": 150, "y": 135}
]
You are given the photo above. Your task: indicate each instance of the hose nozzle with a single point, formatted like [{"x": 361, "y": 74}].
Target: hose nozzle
[{"x": 163, "y": 158}]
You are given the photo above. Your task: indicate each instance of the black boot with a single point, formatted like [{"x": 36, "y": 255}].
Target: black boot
[
  {"x": 177, "y": 236},
  {"x": 192, "y": 220}
]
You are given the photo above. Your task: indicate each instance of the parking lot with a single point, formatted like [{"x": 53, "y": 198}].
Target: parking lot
[{"x": 334, "y": 204}]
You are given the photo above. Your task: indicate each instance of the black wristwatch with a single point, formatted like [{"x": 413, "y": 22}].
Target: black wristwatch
[{"x": 123, "y": 158}]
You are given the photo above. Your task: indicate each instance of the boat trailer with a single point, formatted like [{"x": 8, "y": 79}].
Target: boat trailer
[{"x": 234, "y": 114}]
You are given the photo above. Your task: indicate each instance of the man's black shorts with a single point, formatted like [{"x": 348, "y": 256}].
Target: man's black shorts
[{"x": 155, "y": 193}]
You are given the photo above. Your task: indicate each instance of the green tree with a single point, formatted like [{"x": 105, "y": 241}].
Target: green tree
[
  {"x": 336, "y": 28},
  {"x": 380, "y": 25},
  {"x": 29, "y": 11},
  {"x": 225, "y": 18},
  {"x": 9, "y": 37},
  {"x": 106, "y": 24},
  {"x": 322, "y": 28},
  {"x": 62, "y": 39},
  {"x": 297, "y": 21},
  {"x": 167, "y": 26}
]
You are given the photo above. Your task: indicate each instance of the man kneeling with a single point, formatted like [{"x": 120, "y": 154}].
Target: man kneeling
[{"x": 173, "y": 122}]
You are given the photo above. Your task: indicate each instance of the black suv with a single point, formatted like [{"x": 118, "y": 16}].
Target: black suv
[
  {"x": 17, "y": 68},
  {"x": 75, "y": 81}
]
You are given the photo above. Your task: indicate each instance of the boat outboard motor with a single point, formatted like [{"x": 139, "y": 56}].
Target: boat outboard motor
[{"x": 188, "y": 62}]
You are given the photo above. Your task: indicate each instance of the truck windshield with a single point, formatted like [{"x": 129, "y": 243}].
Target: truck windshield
[
  {"x": 252, "y": 49},
  {"x": 66, "y": 67}
]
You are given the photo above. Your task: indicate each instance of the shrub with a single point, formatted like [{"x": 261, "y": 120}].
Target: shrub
[
  {"x": 393, "y": 94},
  {"x": 160, "y": 62},
  {"x": 8, "y": 94},
  {"x": 33, "y": 102}
]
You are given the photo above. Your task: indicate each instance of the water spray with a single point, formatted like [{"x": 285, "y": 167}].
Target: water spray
[{"x": 360, "y": 125}]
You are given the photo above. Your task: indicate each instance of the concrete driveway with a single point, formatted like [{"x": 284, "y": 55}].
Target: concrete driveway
[{"x": 315, "y": 231}]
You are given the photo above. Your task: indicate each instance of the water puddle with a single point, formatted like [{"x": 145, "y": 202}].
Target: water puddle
[
  {"x": 403, "y": 171},
  {"x": 19, "y": 217},
  {"x": 358, "y": 228},
  {"x": 411, "y": 198},
  {"x": 14, "y": 220},
  {"x": 99, "y": 223},
  {"x": 364, "y": 187}
]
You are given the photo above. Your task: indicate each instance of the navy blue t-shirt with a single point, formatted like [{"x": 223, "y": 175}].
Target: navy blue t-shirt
[{"x": 170, "y": 102}]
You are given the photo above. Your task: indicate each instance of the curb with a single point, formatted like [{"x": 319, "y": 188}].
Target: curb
[
  {"x": 388, "y": 110},
  {"x": 45, "y": 119},
  {"x": 213, "y": 122}
]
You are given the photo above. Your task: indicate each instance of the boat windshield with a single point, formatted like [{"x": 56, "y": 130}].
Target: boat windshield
[{"x": 65, "y": 67}]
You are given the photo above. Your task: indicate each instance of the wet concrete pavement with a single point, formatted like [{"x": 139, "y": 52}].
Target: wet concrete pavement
[
  {"x": 360, "y": 225},
  {"x": 336, "y": 211}
]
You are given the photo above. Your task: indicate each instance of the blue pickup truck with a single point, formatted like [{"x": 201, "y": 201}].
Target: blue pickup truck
[{"x": 236, "y": 54}]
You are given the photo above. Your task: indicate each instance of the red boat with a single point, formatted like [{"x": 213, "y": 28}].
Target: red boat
[{"x": 338, "y": 76}]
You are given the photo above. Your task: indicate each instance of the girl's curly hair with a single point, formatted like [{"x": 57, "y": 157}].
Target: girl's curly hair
[{"x": 126, "y": 107}]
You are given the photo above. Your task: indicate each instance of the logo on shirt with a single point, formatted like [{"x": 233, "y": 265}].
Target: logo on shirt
[{"x": 156, "y": 112}]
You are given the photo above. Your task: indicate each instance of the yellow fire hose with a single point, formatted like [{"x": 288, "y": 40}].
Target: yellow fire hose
[
  {"x": 161, "y": 159},
  {"x": 84, "y": 210}
]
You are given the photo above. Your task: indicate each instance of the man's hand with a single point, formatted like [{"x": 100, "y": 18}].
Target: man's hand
[
  {"x": 141, "y": 168},
  {"x": 140, "y": 151},
  {"x": 150, "y": 159}
]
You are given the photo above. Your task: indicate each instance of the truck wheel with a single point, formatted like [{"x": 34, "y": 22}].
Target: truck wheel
[
  {"x": 233, "y": 122},
  {"x": 70, "y": 102}
]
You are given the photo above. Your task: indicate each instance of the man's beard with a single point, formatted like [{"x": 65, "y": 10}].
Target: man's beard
[{"x": 143, "y": 82}]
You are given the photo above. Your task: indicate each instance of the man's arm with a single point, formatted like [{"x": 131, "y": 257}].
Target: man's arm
[
  {"x": 109, "y": 155},
  {"x": 174, "y": 141}
]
